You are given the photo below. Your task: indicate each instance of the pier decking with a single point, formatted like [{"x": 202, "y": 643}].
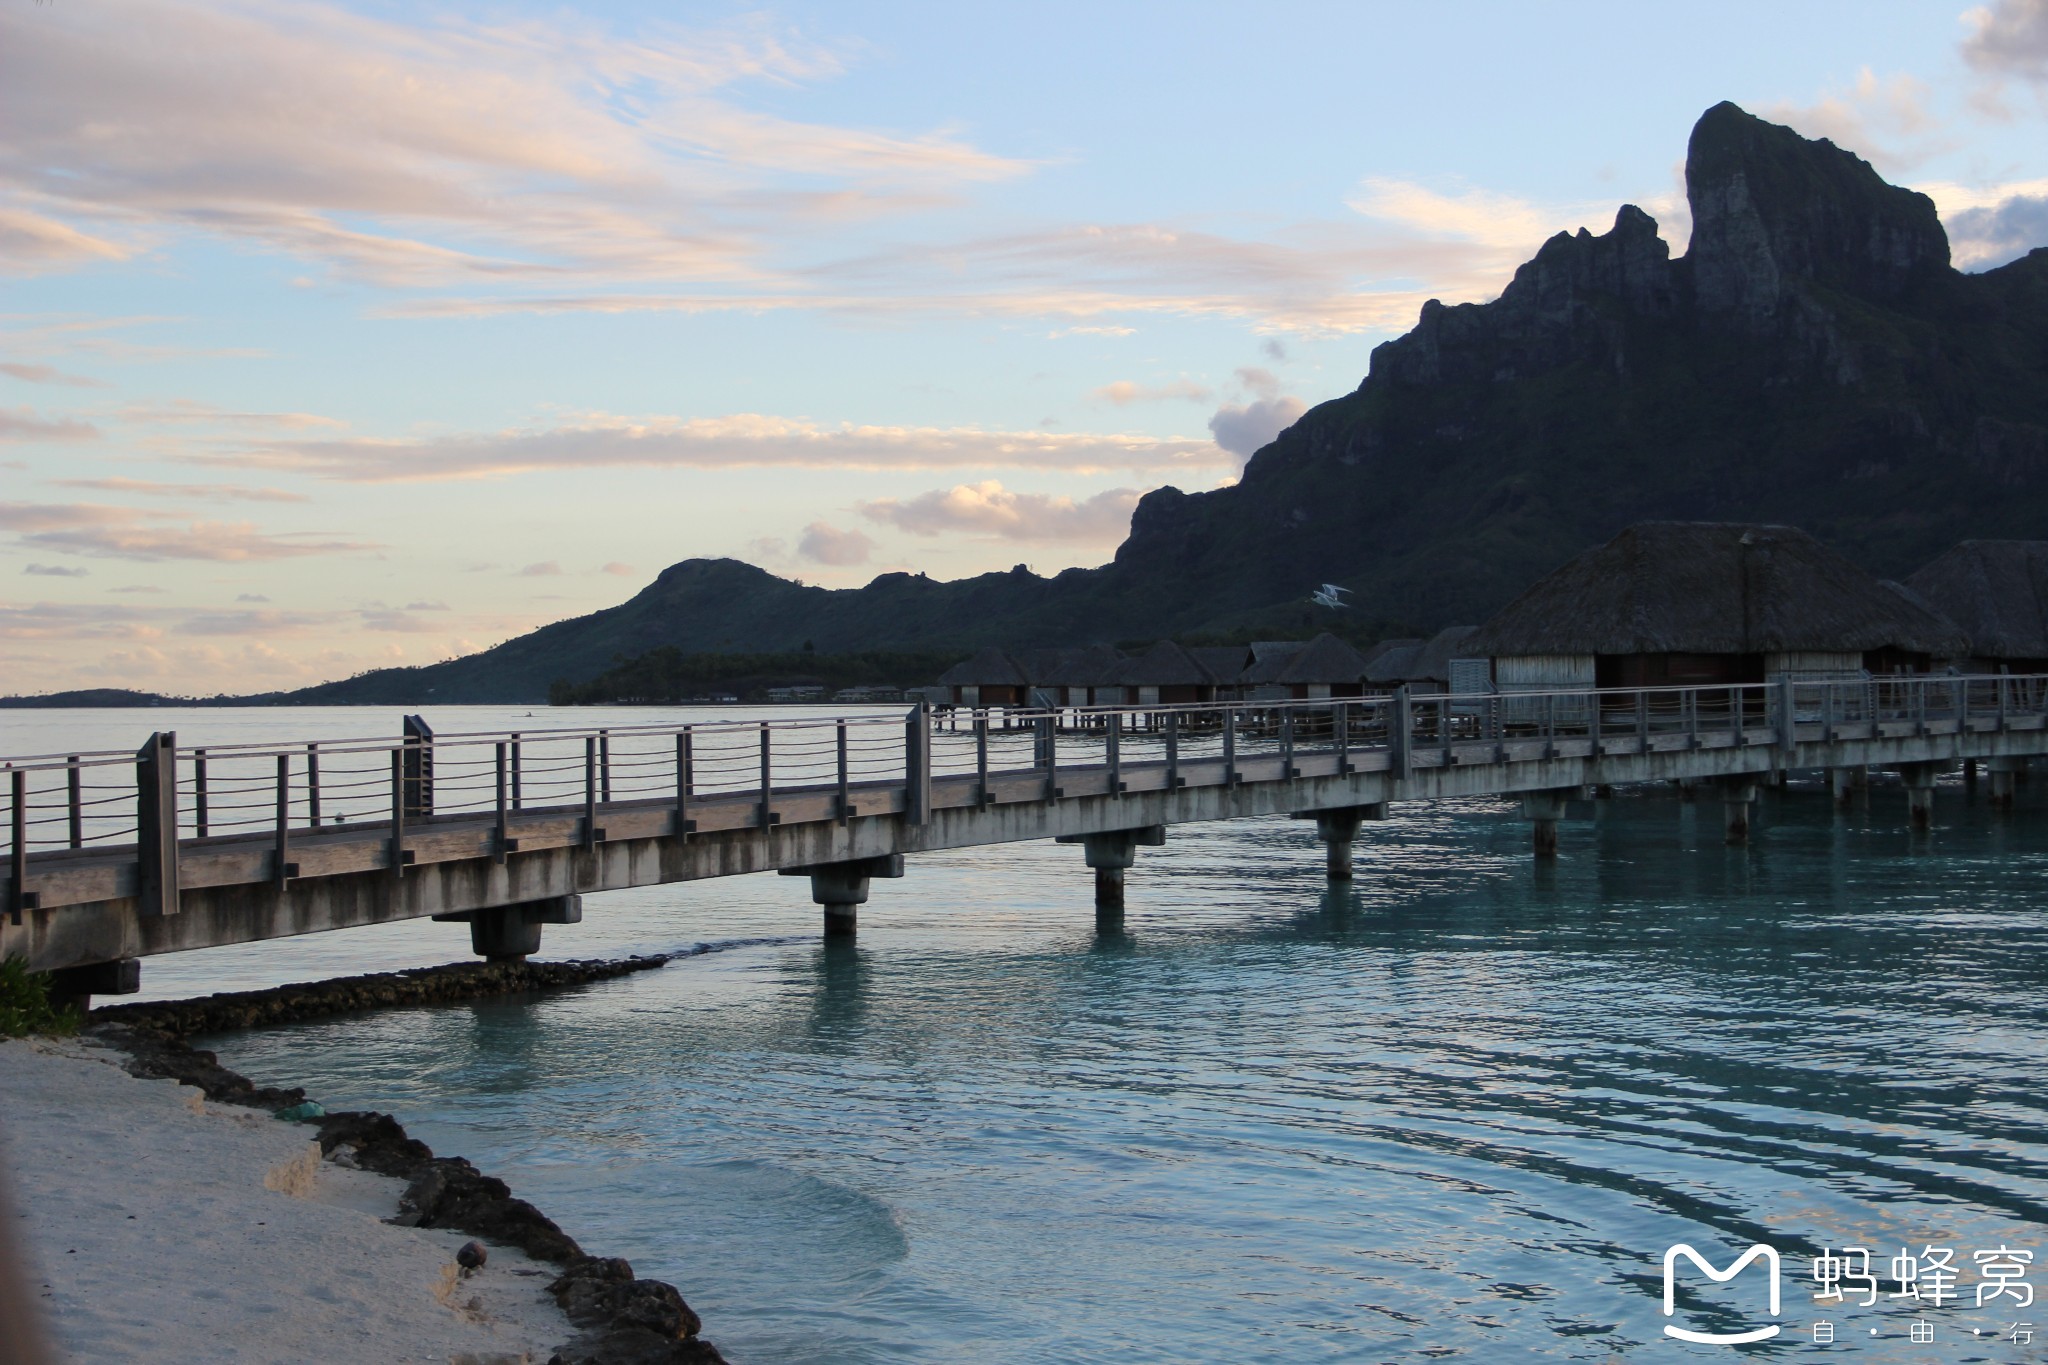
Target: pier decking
[{"x": 117, "y": 856}]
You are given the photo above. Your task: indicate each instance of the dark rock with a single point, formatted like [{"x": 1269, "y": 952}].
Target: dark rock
[
  {"x": 472, "y": 1257},
  {"x": 636, "y": 1346},
  {"x": 594, "y": 1289}
]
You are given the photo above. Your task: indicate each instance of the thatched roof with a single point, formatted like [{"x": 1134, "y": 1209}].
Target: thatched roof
[
  {"x": 1996, "y": 591},
  {"x": 1086, "y": 667},
  {"x": 1325, "y": 659},
  {"x": 1670, "y": 587},
  {"x": 1433, "y": 661},
  {"x": 1270, "y": 659},
  {"x": 1387, "y": 661},
  {"x": 1227, "y": 662},
  {"x": 990, "y": 668},
  {"x": 1166, "y": 664}
]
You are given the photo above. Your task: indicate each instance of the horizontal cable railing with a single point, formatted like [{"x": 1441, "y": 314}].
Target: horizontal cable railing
[{"x": 92, "y": 801}]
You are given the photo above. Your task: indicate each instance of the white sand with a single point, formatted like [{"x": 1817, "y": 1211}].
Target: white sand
[{"x": 150, "y": 1233}]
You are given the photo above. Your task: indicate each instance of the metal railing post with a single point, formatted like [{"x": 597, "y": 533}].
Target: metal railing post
[
  {"x": 1173, "y": 782},
  {"x": 19, "y": 897},
  {"x": 419, "y": 768},
  {"x": 590, "y": 791},
  {"x": 604, "y": 766},
  {"x": 1287, "y": 768},
  {"x": 1400, "y": 734},
  {"x": 1340, "y": 735},
  {"x": 399, "y": 856},
  {"x": 503, "y": 843},
  {"x": 1550, "y": 725},
  {"x": 1642, "y": 722},
  {"x": 765, "y": 812},
  {"x": 845, "y": 809},
  {"x": 1113, "y": 748},
  {"x": 1052, "y": 758},
  {"x": 156, "y": 824},
  {"x": 199, "y": 792},
  {"x": 313, "y": 784},
  {"x": 1443, "y": 725},
  {"x": 518, "y": 786},
  {"x": 1230, "y": 773},
  {"x": 281, "y": 865},
  {"x": 981, "y": 792},
  {"x": 917, "y": 765},
  {"x": 1788, "y": 713},
  {"x": 685, "y": 778},
  {"x": 74, "y": 802},
  {"x": 1689, "y": 703}
]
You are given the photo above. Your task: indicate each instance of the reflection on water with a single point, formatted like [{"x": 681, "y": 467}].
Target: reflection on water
[{"x": 1458, "y": 1109}]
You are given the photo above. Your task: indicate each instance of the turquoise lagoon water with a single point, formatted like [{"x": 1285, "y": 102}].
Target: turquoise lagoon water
[{"x": 1458, "y": 1110}]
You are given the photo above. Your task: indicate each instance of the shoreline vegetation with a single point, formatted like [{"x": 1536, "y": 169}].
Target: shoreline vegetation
[{"x": 621, "y": 1318}]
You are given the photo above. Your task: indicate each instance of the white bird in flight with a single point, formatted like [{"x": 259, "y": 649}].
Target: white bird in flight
[{"x": 1329, "y": 595}]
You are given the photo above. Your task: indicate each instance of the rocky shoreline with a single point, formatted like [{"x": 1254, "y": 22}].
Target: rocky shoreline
[{"x": 626, "y": 1320}]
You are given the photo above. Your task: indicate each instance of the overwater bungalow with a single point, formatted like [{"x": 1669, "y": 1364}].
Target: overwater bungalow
[
  {"x": 990, "y": 678},
  {"x": 1707, "y": 604},
  {"x": 1167, "y": 674},
  {"x": 1323, "y": 667},
  {"x": 1071, "y": 677},
  {"x": 1389, "y": 664},
  {"x": 1996, "y": 591}
]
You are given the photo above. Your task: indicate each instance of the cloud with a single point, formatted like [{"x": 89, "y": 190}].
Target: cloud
[
  {"x": 20, "y": 424},
  {"x": 250, "y": 597},
  {"x": 989, "y": 509},
  {"x": 217, "y": 492},
  {"x": 822, "y": 543},
  {"x": 743, "y": 440},
  {"x": 55, "y": 571},
  {"x": 1124, "y": 392},
  {"x": 545, "y": 569},
  {"x": 1988, "y": 231},
  {"x": 29, "y": 241},
  {"x": 497, "y": 152},
  {"x": 426, "y": 606},
  {"x": 190, "y": 412},
  {"x": 2008, "y": 38},
  {"x": 618, "y": 570},
  {"x": 1274, "y": 350},
  {"x": 127, "y": 533},
  {"x": 1097, "y": 331},
  {"x": 149, "y": 588},
  {"x": 44, "y": 374},
  {"x": 67, "y": 621},
  {"x": 263, "y": 624},
  {"x": 1244, "y": 430},
  {"x": 1885, "y": 120}
]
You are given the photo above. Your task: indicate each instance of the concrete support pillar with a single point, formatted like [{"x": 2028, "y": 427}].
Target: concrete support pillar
[
  {"x": 1685, "y": 788},
  {"x": 74, "y": 987},
  {"x": 2003, "y": 771},
  {"x": 1738, "y": 794},
  {"x": 1919, "y": 781},
  {"x": 1970, "y": 774},
  {"x": 1543, "y": 810},
  {"x": 1111, "y": 853},
  {"x": 840, "y": 889},
  {"x": 511, "y": 933},
  {"x": 1848, "y": 783},
  {"x": 1337, "y": 827}
]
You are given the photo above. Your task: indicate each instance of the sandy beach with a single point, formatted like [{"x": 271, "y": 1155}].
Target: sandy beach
[{"x": 158, "y": 1226}]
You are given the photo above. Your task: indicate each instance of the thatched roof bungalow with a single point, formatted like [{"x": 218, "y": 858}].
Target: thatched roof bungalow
[
  {"x": 1322, "y": 667},
  {"x": 1706, "y": 604},
  {"x": 990, "y": 678},
  {"x": 1167, "y": 674},
  {"x": 1996, "y": 591},
  {"x": 1072, "y": 677}
]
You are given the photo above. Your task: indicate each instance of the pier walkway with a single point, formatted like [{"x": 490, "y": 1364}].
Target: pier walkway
[{"x": 116, "y": 856}]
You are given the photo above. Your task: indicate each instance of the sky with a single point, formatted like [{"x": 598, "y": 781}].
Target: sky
[{"x": 336, "y": 336}]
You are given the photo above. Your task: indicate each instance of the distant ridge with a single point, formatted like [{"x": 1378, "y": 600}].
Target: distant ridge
[{"x": 1813, "y": 359}]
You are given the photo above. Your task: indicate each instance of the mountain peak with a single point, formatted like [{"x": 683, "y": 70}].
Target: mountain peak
[{"x": 1771, "y": 209}]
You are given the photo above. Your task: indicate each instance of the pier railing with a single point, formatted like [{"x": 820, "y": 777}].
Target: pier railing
[{"x": 121, "y": 804}]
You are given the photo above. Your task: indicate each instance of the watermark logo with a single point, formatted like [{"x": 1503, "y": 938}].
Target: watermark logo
[{"x": 1759, "y": 1252}]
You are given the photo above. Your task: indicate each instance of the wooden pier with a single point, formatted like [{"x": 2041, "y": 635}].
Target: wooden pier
[{"x": 113, "y": 857}]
